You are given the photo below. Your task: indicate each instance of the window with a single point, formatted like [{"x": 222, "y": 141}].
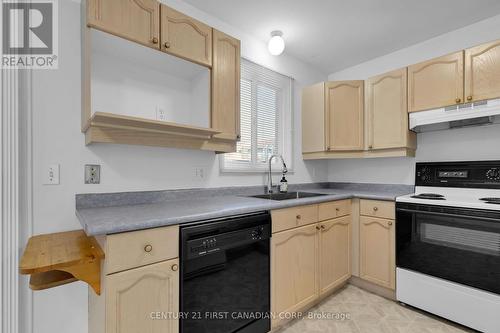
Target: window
[{"x": 266, "y": 120}]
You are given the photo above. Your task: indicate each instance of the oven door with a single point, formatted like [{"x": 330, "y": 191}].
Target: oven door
[{"x": 455, "y": 244}]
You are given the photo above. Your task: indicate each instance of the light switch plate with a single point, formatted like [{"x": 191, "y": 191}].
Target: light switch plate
[
  {"x": 51, "y": 175},
  {"x": 92, "y": 174}
]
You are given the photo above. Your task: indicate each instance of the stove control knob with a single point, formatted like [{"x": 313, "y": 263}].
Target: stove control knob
[
  {"x": 424, "y": 174},
  {"x": 493, "y": 174}
]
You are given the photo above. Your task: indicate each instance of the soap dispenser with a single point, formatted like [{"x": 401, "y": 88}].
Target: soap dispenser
[{"x": 283, "y": 184}]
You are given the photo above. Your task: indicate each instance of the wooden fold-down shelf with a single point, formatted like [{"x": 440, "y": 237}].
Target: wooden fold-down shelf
[
  {"x": 116, "y": 121},
  {"x": 56, "y": 259}
]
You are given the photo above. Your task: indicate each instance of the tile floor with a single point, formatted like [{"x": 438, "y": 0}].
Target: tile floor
[{"x": 369, "y": 313}]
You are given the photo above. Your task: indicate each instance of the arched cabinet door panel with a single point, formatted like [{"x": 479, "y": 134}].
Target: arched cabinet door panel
[
  {"x": 135, "y": 20},
  {"x": 334, "y": 253},
  {"x": 294, "y": 267},
  {"x": 436, "y": 83},
  {"x": 133, "y": 295},
  {"x": 377, "y": 251},
  {"x": 185, "y": 37},
  {"x": 387, "y": 111},
  {"x": 482, "y": 72},
  {"x": 345, "y": 115}
]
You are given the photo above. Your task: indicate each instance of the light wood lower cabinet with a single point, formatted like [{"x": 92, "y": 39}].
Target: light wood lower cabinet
[
  {"x": 377, "y": 251},
  {"x": 134, "y": 297},
  {"x": 294, "y": 269},
  {"x": 334, "y": 253},
  {"x": 308, "y": 261}
]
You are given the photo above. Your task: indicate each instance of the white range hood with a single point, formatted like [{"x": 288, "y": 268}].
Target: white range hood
[{"x": 470, "y": 114}]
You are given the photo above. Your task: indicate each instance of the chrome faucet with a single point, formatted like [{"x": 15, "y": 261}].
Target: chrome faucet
[{"x": 270, "y": 180}]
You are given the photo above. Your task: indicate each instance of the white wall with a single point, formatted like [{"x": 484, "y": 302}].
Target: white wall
[
  {"x": 478, "y": 143},
  {"x": 57, "y": 139}
]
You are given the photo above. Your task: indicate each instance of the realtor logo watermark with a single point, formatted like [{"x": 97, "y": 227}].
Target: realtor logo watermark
[{"x": 29, "y": 34}]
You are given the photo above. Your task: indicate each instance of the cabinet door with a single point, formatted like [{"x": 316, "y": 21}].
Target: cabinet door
[
  {"x": 344, "y": 104},
  {"x": 294, "y": 267},
  {"x": 226, "y": 86},
  {"x": 387, "y": 116},
  {"x": 185, "y": 37},
  {"x": 334, "y": 253},
  {"x": 131, "y": 297},
  {"x": 313, "y": 118},
  {"x": 436, "y": 83},
  {"x": 136, "y": 20},
  {"x": 377, "y": 251},
  {"x": 482, "y": 72}
]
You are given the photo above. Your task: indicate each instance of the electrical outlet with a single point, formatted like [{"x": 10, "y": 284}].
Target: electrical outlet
[
  {"x": 199, "y": 173},
  {"x": 92, "y": 174},
  {"x": 51, "y": 175},
  {"x": 160, "y": 114}
]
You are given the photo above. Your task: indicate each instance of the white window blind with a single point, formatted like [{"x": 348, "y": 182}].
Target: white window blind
[{"x": 266, "y": 119}]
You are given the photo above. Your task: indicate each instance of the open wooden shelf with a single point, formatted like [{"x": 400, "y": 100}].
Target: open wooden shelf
[
  {"x": 60, "y": 258},
  {"x": 106, "y": 127},
  {"x": 111, "y": 120}
]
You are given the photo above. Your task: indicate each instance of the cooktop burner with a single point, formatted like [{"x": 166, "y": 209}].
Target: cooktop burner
[{"x": 429, "y": 196}]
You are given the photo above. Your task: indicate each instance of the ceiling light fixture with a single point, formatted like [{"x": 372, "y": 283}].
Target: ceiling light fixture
[{"x": 276, "y": 44}]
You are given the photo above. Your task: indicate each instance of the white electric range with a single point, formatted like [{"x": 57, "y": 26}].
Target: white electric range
[{"x": 448, "y": 243}]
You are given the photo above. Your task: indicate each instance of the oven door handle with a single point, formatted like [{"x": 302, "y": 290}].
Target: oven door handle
[{"x": 448, "y": 215}]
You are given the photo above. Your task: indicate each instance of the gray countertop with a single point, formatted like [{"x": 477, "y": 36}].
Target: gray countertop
[{"x": 128, "y": 217}]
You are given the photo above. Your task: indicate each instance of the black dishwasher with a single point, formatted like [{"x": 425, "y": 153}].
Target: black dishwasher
[{"x": 225, "y": 275}]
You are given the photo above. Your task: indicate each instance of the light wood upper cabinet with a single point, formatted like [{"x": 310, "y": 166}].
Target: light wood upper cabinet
[
  {"x": 294, "y": 267},
  {"x": 386, "y": 111},
  {"x": 313, "y": 118},
  {"x": 377, "y": 251},
  {"x": 226, "y": 86},
  {"x": 185, "y": 37},
  {"x": 345, "y": 108},
  {"x": 136, "y": 20},
  {"x": 482, "y": 72},
  {"x": 131, "y": 296},
  {"x": 334, "y": 253},
  {"x": 436, "y": 83}
]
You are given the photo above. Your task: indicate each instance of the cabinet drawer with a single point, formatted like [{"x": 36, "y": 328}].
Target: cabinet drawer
[
  {"x": 138, "y": 248},
  {"x": 375, "y": 208},
  {"x": 334, "y": 209},
  {"x": 288, "y": 218}
]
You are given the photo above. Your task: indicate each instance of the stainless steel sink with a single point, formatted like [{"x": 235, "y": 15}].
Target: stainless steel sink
[{"x": 287, "y": 196}]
